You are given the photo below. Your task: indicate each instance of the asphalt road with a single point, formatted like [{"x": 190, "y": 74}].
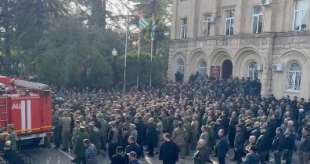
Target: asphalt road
[{"x": 56, "y": 156}]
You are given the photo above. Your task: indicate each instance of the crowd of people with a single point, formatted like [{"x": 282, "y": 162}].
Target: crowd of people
[{"x": 197, "y": 120}]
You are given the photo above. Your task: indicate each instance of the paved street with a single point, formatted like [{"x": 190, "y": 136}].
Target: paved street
[{"x": 55, "y": 156}]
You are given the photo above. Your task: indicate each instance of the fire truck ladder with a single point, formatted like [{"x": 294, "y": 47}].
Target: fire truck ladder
[{"x": 3, "y": 112}]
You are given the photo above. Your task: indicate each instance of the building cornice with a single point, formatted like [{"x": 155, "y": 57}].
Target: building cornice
[{"x": 241, "y": 36}]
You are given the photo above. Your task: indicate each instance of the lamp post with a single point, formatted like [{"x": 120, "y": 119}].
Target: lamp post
[
  {"x": 137, "y": 44},
  {"x": 114, "y": 54},
  {"x": 126, "y": 51}
]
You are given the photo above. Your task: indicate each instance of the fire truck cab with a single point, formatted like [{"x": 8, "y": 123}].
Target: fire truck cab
[{"x": 27, "y": 106}]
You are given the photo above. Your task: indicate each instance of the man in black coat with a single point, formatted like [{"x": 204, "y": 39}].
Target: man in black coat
[
  {"x": 151, "y": 136},
  {"x": 304, "y": 148},
  {"x": 119, "y": 157},
  {"x": 277, "y": 145},
  {"x": 141, "y": 129},
  {"x": 288, "y": 145},
  {"x": 133, "y": 146},
  {"x": 169, "y": 151},
  {"x": 262, "y": 146},
  {"x": 222, "y": 147},
  {"x": 232, "y": 128},
  {"x": 238, "y": 145}
]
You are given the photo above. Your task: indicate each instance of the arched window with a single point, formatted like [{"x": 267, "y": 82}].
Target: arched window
[
  {"x": 202, "y": 68},
  {"x": 252, "y": 71},
  {"x": 180, "y": 65},
  {"x": 294, "y": 77}
]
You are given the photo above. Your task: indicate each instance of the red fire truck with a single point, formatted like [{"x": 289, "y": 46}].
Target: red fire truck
[{"x": 27, "y": 106}]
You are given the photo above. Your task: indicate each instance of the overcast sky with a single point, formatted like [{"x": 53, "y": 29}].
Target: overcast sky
[{"x": 119, "y": 7}]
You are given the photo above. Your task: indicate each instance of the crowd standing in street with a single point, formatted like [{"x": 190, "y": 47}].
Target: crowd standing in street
[{"x": 200, "y": 119}]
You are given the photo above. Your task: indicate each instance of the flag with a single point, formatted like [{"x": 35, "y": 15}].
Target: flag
[{"x": 143, "y": 23}]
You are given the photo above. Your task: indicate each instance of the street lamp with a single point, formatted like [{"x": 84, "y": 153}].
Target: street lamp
[
  {"x": 114, "y": 52},
  {"x": 126, "y": 52}
]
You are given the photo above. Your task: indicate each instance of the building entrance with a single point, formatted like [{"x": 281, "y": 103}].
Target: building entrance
[{"x": 227, "y": 68}]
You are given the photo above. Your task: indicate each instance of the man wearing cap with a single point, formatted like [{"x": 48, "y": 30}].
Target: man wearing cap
[
  {"x": 132, "y": 156},
  {"x": 169, "y": 151},
  {"x": 79, "y": 150},
  {"x": 90, "y": 152}
]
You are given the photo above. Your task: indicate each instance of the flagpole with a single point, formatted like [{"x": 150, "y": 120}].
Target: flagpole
[
  {"x": 151, "y": 70},
  {"x": 125, "y": 57},
  {"x": 139, "y": 52},
  {"x": 152, "y": 40}
]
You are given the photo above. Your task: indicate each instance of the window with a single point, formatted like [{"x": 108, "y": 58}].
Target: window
[
  {"x": 294, "y": 77},
  {"x": 301, "y": 15},
  {"x": 206, "y": 25},
  {"x": 202, "y": 69},
  {"x": 229, "y": 21},
  {"x": 180, "y": 65},
  {"x": 183, "y": 31},
  {"x": 252, "y": 71},
  {"x": 257, "y": 20}
]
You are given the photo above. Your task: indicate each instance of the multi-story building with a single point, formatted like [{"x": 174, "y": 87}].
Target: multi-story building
[{"x": 264, "y": 39}]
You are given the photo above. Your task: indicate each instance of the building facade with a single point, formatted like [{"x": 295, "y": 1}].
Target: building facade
[{"x": 264, "y": 39}]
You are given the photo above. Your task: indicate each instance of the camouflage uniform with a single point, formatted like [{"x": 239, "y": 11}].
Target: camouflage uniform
[
  {"x": 66, "y": 131},
  {"x": 104, "y": 128},
  {"x": 79, "y": 150},
  {"x": 179, "y": 137},
  {"x": 12, "y": 136},
  {"x": 94, "y": 136}
]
